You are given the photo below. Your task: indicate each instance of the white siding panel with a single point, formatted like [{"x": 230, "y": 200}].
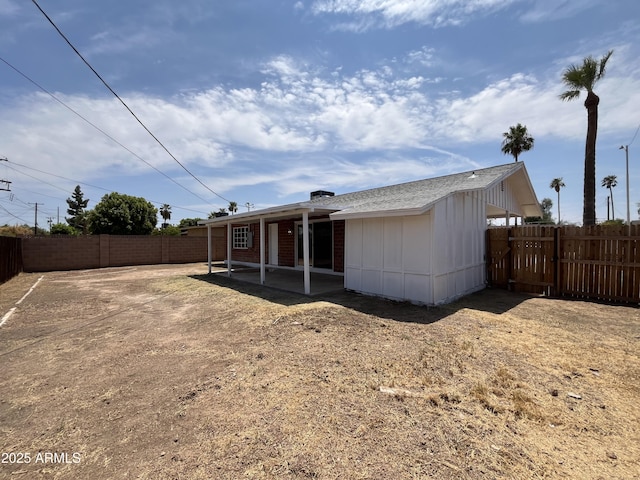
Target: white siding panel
[
  {"x": 417, "y": 244},
  {"x": 393, "y": 285},
  {"x": 459, "y": 223},
  {"x": 372, "y": 244},
  {"x": 390, "y": 257},
  {"x": 418, "y": 288},
  {"x": 353, "y": 246},
  {"x": 393, "y": 234},
  {"x": 353, "y": 279},
  {"x": 372, "y": 281}
]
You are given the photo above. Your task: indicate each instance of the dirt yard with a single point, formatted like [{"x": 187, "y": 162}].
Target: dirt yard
[{"x": 162, "y": 372}]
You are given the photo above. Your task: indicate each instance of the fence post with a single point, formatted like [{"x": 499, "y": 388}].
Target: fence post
[{"x": 556, "y": 261}]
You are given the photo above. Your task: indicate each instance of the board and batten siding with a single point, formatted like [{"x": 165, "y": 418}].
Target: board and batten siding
[
  {"x": 390, "y": 257},
  {"x": 503, "y": 196},
  {"x": 431, "y": 258},
  {"x": 459, "y": 246}
]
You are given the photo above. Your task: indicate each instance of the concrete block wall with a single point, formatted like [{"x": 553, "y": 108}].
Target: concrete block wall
[{"x": 43, "y": 254}]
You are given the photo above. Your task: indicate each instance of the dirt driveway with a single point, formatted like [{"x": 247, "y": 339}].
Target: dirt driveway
[{"x": 162, "y": 372}]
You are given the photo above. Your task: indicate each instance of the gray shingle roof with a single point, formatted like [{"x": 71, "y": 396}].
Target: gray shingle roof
[{"x": 416, "y": 195}]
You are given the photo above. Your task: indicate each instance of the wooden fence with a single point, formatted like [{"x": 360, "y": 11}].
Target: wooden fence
[
  {"x": 599, "y": 262},
  {"x": 10, "y": 257}
]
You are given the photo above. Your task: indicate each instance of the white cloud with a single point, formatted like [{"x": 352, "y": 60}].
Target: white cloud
[
  {"x": 116, "y": 41},
  {"x": 545, "y": 10},
  {"x": 293, "y": 131},
  {"x": 391, "y": 13}
]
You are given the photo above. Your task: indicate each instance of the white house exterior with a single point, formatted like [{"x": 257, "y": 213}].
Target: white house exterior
[{"x": 421, "y": 241}]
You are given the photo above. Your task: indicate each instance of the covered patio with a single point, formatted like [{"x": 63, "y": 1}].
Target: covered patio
[
  {"x": 264, "y": 247},
  {"x": 289, "y": 280}
]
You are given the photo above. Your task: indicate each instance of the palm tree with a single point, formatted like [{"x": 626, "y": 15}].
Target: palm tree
[
  {"x": 233, "y": 207},
  {"x": 165, "y": 212},
  {"x": 516, "y": 141},
  {"x": 578, "y": 78},
  {"x": 609, "y": 182},
  {"x": 557, "y": 184}
]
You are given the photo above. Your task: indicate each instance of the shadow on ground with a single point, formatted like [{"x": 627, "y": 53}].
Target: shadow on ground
[{"x": 488, "y": 300}]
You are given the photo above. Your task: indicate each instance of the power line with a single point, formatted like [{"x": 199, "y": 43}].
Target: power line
[
  {"x": 25, "y": 76},
  {"x": 78, "y": 182},
  {"x": 14, "y": 216},
  {"x": 634, "y": 136},
  {"x": 123, "y": 103}
]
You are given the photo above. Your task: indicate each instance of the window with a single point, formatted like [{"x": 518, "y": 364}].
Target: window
[{"x": 240, "y": 237}]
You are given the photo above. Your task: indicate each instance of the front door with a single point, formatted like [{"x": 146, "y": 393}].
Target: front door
[{"x": 320, "y": 245}]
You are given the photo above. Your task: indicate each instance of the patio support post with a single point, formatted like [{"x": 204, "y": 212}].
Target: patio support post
[
  {"x": 507, "y": 216},
  {"x": 209, "y": 246},
  {"x": 229, "y": 240},
  {"x": 262, "y": 249},
  {"x": 305, "y": 252}
]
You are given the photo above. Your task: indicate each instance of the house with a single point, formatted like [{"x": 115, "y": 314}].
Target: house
[{"x": 421, "y": 241}]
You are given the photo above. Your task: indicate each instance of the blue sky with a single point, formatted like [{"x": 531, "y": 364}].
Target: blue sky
[{"x": 265, "y": 101}]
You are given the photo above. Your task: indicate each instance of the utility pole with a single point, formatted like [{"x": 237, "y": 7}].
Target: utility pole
[
  {"x": 35, "y": 224},
  {"x": 626, "y": 154},
  {"x": 5, "y": 184}
]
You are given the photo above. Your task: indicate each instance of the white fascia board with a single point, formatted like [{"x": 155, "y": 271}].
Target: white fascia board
[
  {"x": 346, "y": 215},
  {"x": 283, "y": 211}
]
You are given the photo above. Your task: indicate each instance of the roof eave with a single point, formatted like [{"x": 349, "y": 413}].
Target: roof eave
[{"x": 401, "y": 212}]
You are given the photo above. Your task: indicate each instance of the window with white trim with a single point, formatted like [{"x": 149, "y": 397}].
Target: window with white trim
[{"x": 240, "y": 237}]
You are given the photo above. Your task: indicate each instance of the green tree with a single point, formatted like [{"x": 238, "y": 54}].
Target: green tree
[
  {"x": 62, "y": 229},
  {"x": 233, "y": 207},
  {"x": 220, "y": 213},
  {"x": 77, "y": 205},
  {"x": 189, "y": 222},
  {"x": 609, "y": 182},
  {"x": 119, "y": 214},
  {"x": 545, "y": 205},
  {"x": 516, "y": 141},
  {"x": 557, "y": 184},
  {"x": 578, "y": 78},
  {"x": 168, "y": 230},
  {"x": 165, "y": 213}
]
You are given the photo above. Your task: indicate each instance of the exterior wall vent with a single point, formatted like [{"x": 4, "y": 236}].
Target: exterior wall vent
[{"x": 321, "y": 193}]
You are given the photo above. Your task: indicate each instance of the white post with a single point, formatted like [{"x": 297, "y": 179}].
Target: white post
[
  {"x": 209, "y": 246},
  {"x": 229, "y": 240},
  {"x": 305, "y": 252},
  {"x": 262, "y": 250}
]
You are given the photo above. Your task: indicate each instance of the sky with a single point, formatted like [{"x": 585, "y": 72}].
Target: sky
[{"x": 261, "y": 102}]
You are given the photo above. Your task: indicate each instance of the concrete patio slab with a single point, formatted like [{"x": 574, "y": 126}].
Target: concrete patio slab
[{"x": 287, "y": 280}]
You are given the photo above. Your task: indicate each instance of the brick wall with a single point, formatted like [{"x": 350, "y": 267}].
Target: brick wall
[
  {"x": 287, "y": 243},
  {"x": 42, "y": 254}
]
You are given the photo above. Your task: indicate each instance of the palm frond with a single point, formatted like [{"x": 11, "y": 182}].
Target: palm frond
[
  {"x": 603, "y": 63},
  {"x": 569, "y": 95}
]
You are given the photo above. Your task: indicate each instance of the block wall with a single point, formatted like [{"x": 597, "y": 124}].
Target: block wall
[{"x": 43, "y": 254}]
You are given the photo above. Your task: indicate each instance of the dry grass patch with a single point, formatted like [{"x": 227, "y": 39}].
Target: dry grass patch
[{"x": 177, "y": 377}]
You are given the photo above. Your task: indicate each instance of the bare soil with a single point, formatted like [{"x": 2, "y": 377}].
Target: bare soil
[{"x": 164, "y": 372}]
